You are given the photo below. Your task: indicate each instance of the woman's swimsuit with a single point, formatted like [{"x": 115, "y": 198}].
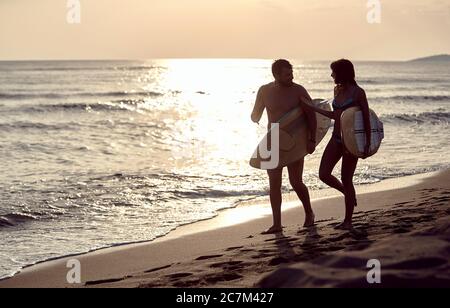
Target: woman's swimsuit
[{"x": 345, "y": 105}]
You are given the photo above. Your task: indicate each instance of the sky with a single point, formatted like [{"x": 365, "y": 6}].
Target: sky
[{"x": 264, "y": 29}]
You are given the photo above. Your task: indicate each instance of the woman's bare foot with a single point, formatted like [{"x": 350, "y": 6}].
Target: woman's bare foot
[
  {"x": 273, "y": 230},
  {"x": 309, "y": 220},
  {"x": 344, "y": 226}
]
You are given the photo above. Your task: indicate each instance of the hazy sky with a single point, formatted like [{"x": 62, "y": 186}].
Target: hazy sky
[{"x": 301, "y": 29}]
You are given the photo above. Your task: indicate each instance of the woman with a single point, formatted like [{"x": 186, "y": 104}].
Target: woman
[{"x": 347, "y": 94}]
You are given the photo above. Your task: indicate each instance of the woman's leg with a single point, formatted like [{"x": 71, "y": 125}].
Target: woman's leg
[
  {"x": 331, "y": 156},
  {"x": 349, "y": 163}
]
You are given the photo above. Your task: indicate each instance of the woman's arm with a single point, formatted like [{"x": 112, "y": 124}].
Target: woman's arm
[
  {"x": 258, "y": 109},
  {"x": 305, "y": 101},
  {"x": 366, "y": 117},
  {"x": 328, "y": 114}
]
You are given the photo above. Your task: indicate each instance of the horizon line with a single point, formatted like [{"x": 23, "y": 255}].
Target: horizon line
[
  {"x": 214, "y": 58},
  {"x": 200, "y": 58}
]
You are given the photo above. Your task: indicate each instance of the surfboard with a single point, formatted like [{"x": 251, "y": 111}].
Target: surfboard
[
  {"x": 291, "y": 145},
  {"x": 354, "y": 134}
]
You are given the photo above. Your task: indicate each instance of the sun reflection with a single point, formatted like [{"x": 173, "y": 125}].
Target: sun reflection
[
  {"x": 213, "y": 75},
  {"x": 218, "y": 131}
]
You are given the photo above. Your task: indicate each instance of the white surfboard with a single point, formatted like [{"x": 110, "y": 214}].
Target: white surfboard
[
  {"x": 354, "y": 134},
  {"x": 292, "y": 145}
]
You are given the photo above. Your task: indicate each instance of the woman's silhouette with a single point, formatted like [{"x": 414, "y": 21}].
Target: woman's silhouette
[{"x": 347, "y": 94}]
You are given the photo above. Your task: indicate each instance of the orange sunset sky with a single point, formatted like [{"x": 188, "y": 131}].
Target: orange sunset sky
[{"x": 300, "y": 29}]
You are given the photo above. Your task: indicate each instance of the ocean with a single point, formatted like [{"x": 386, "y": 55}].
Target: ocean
[{"x": 102, "y": 153}]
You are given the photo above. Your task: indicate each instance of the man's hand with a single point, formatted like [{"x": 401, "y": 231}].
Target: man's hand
[{"x": 311, "y": 146}]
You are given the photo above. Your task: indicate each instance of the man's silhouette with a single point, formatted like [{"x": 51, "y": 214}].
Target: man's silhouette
[{"x": 278, "y": 98}]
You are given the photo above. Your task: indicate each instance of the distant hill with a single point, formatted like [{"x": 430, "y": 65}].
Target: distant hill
[{"x": 438, "y": 58}]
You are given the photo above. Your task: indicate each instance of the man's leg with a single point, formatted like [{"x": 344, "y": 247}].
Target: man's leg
[
  {"x": 296, "y": 180},
  {"x": 275, "y": 179}
]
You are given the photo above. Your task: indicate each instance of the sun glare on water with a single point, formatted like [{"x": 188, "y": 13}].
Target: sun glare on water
[{"x": 218, "y": 96}]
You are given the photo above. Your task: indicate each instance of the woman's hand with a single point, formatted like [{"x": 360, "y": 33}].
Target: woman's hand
[{"x": 336, "y": 115}]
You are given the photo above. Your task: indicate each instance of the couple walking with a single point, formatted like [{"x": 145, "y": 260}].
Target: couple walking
[{"x": 281, "y": 96}]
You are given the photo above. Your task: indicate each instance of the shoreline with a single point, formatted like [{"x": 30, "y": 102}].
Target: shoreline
[
  {"x": 258, "y": 204},
  {"x": 240, "y": 216}
]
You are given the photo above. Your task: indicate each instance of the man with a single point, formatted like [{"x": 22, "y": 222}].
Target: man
[{"x": 278, "y": 98}]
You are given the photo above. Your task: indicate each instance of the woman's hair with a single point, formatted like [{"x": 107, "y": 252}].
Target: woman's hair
[{"x": 344, "y": 71}]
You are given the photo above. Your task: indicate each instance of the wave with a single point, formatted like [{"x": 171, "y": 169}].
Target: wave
[
  {"x": 85, "y": 68},
  {"x": 122, "y": 94},
  {"x": 14, "y": 219},
  {"x": 115, "y": 94},
  {"x": 422, "y": 118},
  {"x": 185, "y": 193},
  {"x": 129, "y": 105},
  {"x": 21, "y": 96},
  {"x": 391, "y": 81},
  {"x": 36, "y": 126},
  {"x": 70, "y": 107},
  {"x": 213, "y": 193},
  {"x": 438, "y": 98}
]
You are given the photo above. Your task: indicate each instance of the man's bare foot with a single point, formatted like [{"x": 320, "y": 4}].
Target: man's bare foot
[
  {"x": 309, "y": 220},
  {"x": 344, "y": 226},
  {"x": 273, "y": 230}
]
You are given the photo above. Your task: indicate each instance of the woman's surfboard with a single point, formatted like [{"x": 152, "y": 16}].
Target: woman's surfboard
[
  {"x": 292, "y": 142},
  {"x": 354, "y": 134}
]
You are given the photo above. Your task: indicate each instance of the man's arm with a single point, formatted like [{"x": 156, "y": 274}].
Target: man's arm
[
  {"x": 258, "y": 109},
  {"x": 306, "y": 103}
]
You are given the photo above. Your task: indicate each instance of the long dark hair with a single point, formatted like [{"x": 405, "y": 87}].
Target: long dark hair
[{"x": 344, "y": 71}]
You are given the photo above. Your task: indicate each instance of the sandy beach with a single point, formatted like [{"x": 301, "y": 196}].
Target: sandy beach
[
  {"x": 128, "y": 133},
  {"x": 404, "y": 223}
]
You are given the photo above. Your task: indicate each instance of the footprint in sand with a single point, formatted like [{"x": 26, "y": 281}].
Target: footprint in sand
[
  {"x": 262, "y": 256},
  {"x": 99, "y": 282},
  {"x": 339, "y": 237},
  {"x": 226, "y": 264},
  {"x": 208, "y": 257},
  {"x": 158, "y": 268},
  {"x": 403, "y": 203},
  {"x": 179, "y": 275},
  {"x": 356, "y": 246},
  {"x": 423, "y": 263},
  {"x": 335, "y": 248},
  {"x": 276, "y": 239},
  {"x": 246, "y": 250},
  {"x": 224, "y": 277},
  {"x": 187, "y": 284},
  {"x": 265, "y": 251},
  {"x": 278, "y": 261},
  {"x": 401, "y": 230}
]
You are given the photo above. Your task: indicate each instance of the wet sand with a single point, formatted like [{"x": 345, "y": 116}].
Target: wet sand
[{"x": 404, "y": 226}]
